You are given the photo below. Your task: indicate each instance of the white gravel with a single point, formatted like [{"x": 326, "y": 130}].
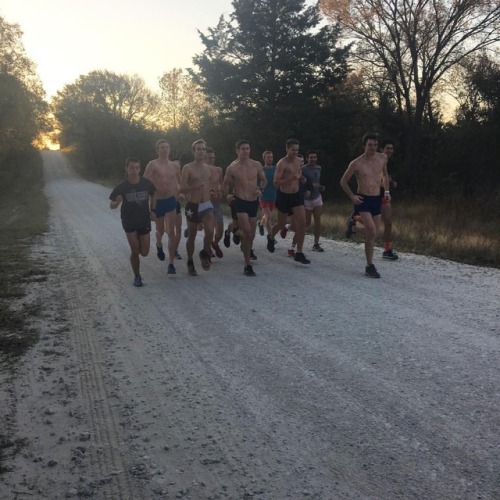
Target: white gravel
[{"x": 303, "y": 382}]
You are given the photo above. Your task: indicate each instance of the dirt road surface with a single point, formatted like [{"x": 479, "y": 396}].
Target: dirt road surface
[{"x": 301, "y": 383}]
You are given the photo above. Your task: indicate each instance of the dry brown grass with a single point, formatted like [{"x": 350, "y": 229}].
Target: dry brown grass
[
  {"x": 455, "y": 229},
  {"x": 23, "y": 217}
]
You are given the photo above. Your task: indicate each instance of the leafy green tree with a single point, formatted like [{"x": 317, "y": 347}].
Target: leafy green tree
[
  {"x": 480, "y": 100},
  {"x": 22, "y": 105},
  {"x": 23, "y": 110},
  {"x": 470, "y": 153},
  {"x": 267, "y": 65},
  {"x": 13, "y": 58},
  {"x": 121, "y": 96},
  {"x": 17, "y": 129},
  {"x": 106, "y": 117}
]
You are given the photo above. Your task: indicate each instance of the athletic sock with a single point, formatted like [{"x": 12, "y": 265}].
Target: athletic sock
[{"x": 387, "y": 246}]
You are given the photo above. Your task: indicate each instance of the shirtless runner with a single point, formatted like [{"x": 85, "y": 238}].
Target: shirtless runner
[
  {"x": 388, "y": 253},
  {"x": 165, "y": 176},
  {"x": 215, "y": 196},
  {"x": 195, "y": 184},
  {"x": 368, "y": 169},
  {"x": 267, "y": 201},
  {"x": 243, "y": 176},
  {"x": 290, "y": 199}
]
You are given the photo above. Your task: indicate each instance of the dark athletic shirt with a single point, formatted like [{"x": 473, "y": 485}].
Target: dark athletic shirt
[{"x": 135, "y": 206}]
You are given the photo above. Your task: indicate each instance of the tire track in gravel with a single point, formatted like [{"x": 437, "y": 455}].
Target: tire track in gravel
[
  {"x": 84, "y": 302},
  {"x": 305, "y": 382},
  {"x": 105, "y": 436}
]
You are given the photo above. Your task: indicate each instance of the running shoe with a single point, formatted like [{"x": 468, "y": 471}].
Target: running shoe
[
  {"x": 291, "y": 252},
  {"x": 205, "y": 259},
  {"x": 248, "y": 271},
  {"x": 270, "y": 243},
  {"x": 217, "y": 249},
  {"x": 390, "y": 255},
  {"x": 261, "y": 228},
  {"x": 318, "y": 248},
  {"x": 227, "y": 238},
  {"x": 186, "y": 233},
  {"x": 283, "y": 232},
  {"x": 371, "y": 272},
  {"x": 160, "y": 253},
  {"x": 300, "y": 257},
  {"x": 171, "y": 269},
  {"x": 351, "y": 223},
  {"x": 177, "y": 255},
  {"x": 252, "y": 255},
  {"x": 191, "y": 269},
  {"x": 138, "y": 281},
  {"x": 236, "y": 237}
]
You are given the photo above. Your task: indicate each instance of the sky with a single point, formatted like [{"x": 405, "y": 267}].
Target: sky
[{"x": 69, "y": 38}]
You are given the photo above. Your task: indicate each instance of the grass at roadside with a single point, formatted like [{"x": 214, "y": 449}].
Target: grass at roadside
[
  {"x": 23, "y": 217},
  {"x": 458, "y": 230}
]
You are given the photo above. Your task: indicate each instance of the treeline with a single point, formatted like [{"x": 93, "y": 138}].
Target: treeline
[
  {"x": 273, "y": 69},
  {"x": 23, "y": 111}
]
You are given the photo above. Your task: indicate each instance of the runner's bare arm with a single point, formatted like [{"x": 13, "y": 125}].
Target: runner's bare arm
[
  {"x": 148, "y": 171},
  {"x": 344, "y": 183},
  {"x": 116, "y": 202}
]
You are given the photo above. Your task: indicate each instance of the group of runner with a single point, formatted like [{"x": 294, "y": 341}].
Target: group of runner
[{"x": 291, "y": 186}]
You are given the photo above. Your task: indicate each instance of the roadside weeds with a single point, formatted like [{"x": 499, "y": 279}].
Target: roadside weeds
[{"x": 23, "y": 218}]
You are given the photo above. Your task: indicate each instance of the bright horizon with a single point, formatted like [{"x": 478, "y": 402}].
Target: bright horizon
[{"x": 70, "y": 39}]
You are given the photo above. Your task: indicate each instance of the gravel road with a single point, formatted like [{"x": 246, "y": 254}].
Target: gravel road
[{"x": 303, "y": 382}]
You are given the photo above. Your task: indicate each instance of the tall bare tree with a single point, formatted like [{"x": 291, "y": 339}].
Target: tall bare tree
[
  {"x": 183, "y": 101},
  {"x": 413, "y": 44}
]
